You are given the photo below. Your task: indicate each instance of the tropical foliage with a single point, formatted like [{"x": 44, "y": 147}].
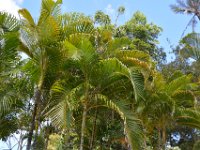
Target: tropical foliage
[{"x": 70, "y": 81}]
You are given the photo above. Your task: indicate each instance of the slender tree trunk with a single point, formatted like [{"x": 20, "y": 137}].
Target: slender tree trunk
[
  {"x": 47, "y": 138},
  {"x": 159, "y": 140},
  {"x": 93, "y": 130},
  {"x": 83, "y": 125},
  {"x": 116, "y": 20},
  {"x": 163, "y": 137},
  {"x": 32, "y": 127},
  {"x": 198, "y": 16}
]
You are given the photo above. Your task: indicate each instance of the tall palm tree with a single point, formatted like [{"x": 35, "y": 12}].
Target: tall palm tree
[
  {"x": 15, "y": 89},
  {"x": 88, "y": 56},
  {"x": 97, "y": 87},
  {"x": 188, "y": 7},
  {"x": 9, "y": 39},
  {"x": 120, "y": 11},
  {"x": 47, "y": 44},
  {"x": 42, "y": 43},
  {"x": 102, "y": 18},
  {"x": 191, "y": 7}
]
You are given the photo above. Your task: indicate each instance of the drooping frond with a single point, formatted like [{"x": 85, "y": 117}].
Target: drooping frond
[
  {"x": 136, "y": 59},
  {"x": 191, "y": 47},
  {"x": 117, "y": 68},
  {"x": 8, "y": 23},
  {"x": 6, "y": 101},
  {"x": 27, "y": 16},
  {"x": 137, "y": 80},
  {"x": 132, "y": 125},
  {"x": 134, "y": 54},
  {"x": 65, "y": 103},
  {"x": 178, "y": 84},
  {"x": 188, "y": 117},
  {"x": 159, "y": 105},
  {"x": 184, "y": 98}
]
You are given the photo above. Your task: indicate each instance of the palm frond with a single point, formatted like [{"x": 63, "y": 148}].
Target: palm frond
[
  {"x": 116, "y": 67},
  {"x": 134, "y": 54},
  {"x": 132, "y": 125},
  {"x": 8, "y": 22},
  {"x": 62, "y": 105},
  {"x": 192, "y": 46},
  {"x": 184, "y": 98},
  {"x": 6, "y": 101},
  {"x": 27, "y": 16},
  {"x": 178, "y": 84},
  {"x": 137, "y": 80},
  {"x": 188, "y": 117},
  {"x": 49, "y": 8},
  {"x": 75, "y": 25}
]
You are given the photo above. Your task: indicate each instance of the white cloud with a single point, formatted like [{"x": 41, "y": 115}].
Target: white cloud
[
  {"x": 11, "y": 6},
  {"x": 19, "y": 1},
  {"x": 110, "y": 10}
]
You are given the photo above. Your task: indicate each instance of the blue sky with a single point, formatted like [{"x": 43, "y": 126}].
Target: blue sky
[{"x": 156, "y": 11}]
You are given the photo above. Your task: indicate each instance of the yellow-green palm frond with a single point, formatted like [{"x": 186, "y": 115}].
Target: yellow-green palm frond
[
  {"x": 49, "y": 8},
  {"x": 178, "y": 84},
  {"x": 132, "y": 124},
  {"x": 184, "y": 98},
  {"x": 188, "y": 117},
  {"x": 75, "y": 25},
  {"x": 50, "y": 31},
  {"x": 62, "y": 105},
  {"x": 116, "y": 68},
  {"x": 27, "y": 17},
  {"x": 135, "y": 54}
]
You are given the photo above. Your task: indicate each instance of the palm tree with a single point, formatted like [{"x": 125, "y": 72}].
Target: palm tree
[
  {"x": 191, "y": 7},
  {"x": 87, "y": 59},
  {"x": 188, "y": 7},
  {"x": 9, "y": 40},
  {"x": 120, "y": 11},
  {"x": 41, "y": 42},
  {"x": 102, "y": 18},
  {"x": 49, "y": 46},
  {"x": 165, "y": 102},
  {"x": 97, "y": 87},
  {"x": 15, "y": 88}
]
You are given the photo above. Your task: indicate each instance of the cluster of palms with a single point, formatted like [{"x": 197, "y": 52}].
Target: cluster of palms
[{"x": 83, "y": 82}]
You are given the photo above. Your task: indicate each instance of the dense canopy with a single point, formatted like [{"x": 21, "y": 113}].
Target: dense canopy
[{"x": 72, "y": 81}]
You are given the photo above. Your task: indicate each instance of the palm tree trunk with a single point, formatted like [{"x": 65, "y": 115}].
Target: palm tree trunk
[
  {"x": 30, "y": 134},
  {"x": 163, "y": 137},
  {"x": 93, "y": 130},
  {"x": 116, "y": 20},
  {"x": 83, "y": 125},
  {"x": 47, "y": 138},
  {"x": 159, "y": 140},
  {"x": 198, "y": 16}
]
